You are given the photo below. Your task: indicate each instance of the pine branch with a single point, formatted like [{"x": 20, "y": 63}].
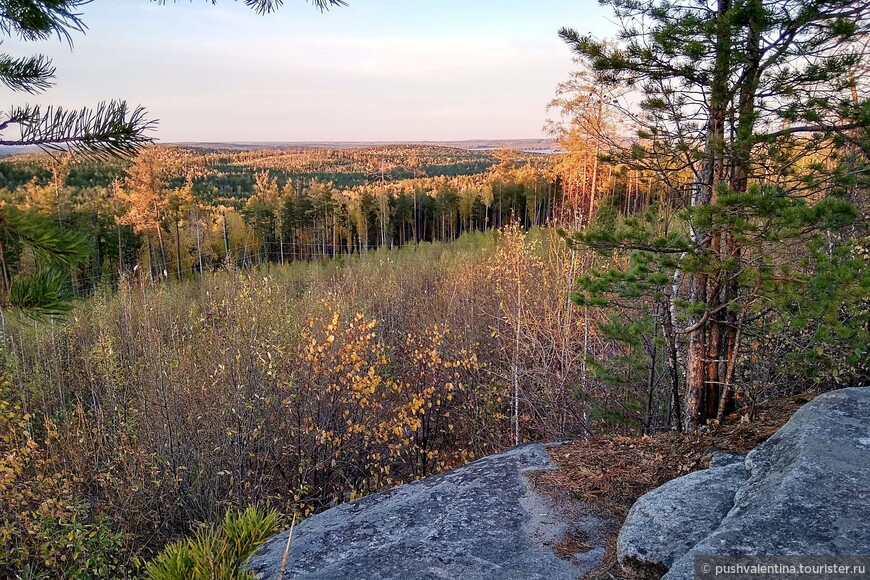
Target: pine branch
[
  {"x": 110, "y": 129},
  {"x": 41, "y": 295},
  {"x": 268, "y": 6},
  {"x": 811, "y": 129},
  {"x": 49, "y": 244},
  {"x": 30, "y": 74},
  {"x": 40, "y": 19}
]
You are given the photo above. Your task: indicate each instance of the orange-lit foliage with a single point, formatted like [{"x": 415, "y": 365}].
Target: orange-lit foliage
[{"x": 360, "y": 422}]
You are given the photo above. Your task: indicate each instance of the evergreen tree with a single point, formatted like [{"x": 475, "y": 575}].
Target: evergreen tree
[{"x": 747, "y": 106}]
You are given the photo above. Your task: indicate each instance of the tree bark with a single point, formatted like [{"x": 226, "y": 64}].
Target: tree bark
[{"x": 712, "y": 174}]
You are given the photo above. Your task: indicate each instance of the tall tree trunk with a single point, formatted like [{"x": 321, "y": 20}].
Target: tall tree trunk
[
  {"x": 651, "y": 375},
  {"x": 226, "y": 237},
  {"x": 696, "y": 357},
  {"x": 177, "y": 248},
  {"x": 324, "y": 239},
  {"x": 416, "y": 237},
  {"x": 712, "y": 174},
  {"x": 97, "y": 271},
  {"x": 198, "y": 242},
  {"x": 593, "y": 187},
  {"x": 729, "y": 248},
  {"x": 162, "y": 248},
  {"x": 673, "y": 361},
  {"x": 150, "y": 261},
  {"x": 120, "y": 251}
]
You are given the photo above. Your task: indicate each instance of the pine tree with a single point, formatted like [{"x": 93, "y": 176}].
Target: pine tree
[{"x": 746, "y": 108}]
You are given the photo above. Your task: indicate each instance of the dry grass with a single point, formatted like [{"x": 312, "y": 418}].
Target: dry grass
[{"x": 609, "y": 474}]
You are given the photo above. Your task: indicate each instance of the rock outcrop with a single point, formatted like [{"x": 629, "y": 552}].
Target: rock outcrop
[
  {"x": 804, "y": 491},
  {"x": 481, "y": 521},
  {"x": 664, "y": 526}
]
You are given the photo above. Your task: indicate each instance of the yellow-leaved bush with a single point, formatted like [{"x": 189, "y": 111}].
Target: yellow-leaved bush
[
  {"x": 47, "y": 530},
  {"x": 366, "y": 420}
]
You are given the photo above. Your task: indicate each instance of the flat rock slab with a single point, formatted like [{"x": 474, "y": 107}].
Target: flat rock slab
[{"x": 481, "y": 521}]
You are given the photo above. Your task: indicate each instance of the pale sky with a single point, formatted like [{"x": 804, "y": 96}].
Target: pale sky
[{"x": 377, "y": 70}]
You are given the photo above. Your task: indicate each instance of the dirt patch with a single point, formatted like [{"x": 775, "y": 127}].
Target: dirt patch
[{"x": 609, "y": 474}]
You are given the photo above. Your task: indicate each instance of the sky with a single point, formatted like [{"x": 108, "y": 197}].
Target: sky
[{"x": 376, "y": 70}]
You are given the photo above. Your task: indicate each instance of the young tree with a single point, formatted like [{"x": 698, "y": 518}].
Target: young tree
[
  {"x": 587, "y": 128},
  {"x": 178, "y": 203},
  {"x": 262, "y": 209},
  {"x": 751, "y": 100},
  {"x": 148, "y": 199}
]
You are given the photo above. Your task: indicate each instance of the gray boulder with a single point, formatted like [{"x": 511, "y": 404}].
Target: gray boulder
[
  {"x": 806, "y": 493},
  {"x": 481, "y": 521},
  {"x": 664, "y": 524}
]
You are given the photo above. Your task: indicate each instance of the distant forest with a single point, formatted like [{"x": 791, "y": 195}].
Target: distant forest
[{"x": 176, "y": 212}]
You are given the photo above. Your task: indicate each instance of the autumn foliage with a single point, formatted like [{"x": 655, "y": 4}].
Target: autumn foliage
[{"x": 171, "y": 404}]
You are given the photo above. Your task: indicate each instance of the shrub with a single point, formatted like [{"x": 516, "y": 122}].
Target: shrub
[{"x": 46, "y": 529}]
